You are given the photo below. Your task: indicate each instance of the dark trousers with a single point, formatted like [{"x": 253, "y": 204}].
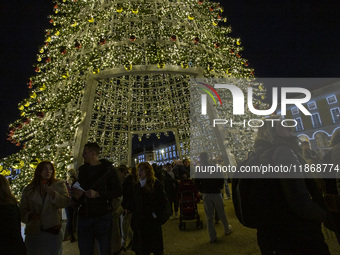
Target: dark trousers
[
  {"x": 71, "y": 220},
  {"x": 91, "y": 228}
]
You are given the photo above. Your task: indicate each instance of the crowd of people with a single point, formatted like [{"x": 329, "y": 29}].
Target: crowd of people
[
  {"x": 112, "y": 209},
  {"x": 109, "y": 209}
]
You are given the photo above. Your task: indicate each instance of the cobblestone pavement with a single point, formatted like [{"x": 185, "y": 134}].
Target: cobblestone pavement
[{"x": 194, "y": 241}]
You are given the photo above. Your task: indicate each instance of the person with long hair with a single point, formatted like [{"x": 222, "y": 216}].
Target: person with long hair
[
  {"x": 40, "y": 205},
  {"x": 293, "y": 208},
  {"x": 149, "y": 201},
  {"x": 11, "y": 242}
]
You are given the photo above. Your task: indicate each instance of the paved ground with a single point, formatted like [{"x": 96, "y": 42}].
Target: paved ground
[{"x": 194, "y": 241}]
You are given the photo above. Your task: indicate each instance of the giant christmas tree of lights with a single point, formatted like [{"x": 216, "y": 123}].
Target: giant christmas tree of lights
[{"x": 111, "y": 69}]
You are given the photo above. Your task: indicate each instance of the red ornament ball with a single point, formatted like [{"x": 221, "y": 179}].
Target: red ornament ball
[
  {"x": 26, "y": 120},
  {"x": 77, "y": 45},
  {"x": 30, "y": 84},
  {"x": 40, "y": 115},
  {"x": 132, "y": 38}
]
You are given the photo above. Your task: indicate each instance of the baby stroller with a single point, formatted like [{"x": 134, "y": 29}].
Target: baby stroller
[{"x": 188, "y": 198}]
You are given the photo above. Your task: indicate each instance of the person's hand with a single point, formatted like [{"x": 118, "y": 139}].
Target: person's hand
[
  {"x": 77, "y": 193},
  {"x": 91, "y": 193}
]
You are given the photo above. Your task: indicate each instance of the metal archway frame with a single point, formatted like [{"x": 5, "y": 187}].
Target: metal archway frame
[{"x": 82, "y": 134}]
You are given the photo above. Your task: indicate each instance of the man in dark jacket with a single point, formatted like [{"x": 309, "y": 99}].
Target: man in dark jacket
[
  {"x": 212, "y": 200},
  {"x": 293, "y": 208},
  {"x": 99, "y": 184}
]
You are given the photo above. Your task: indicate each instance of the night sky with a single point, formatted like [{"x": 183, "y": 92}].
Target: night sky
[{"x": 281, "y": 39}]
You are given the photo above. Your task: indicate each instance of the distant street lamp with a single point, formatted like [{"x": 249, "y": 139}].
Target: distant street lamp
[{"x": 162, "y": 151}]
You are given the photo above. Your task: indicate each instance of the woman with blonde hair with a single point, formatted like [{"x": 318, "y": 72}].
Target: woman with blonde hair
[
  {"x": 41, "y": 204},
  {"x": 149, "y": 204},
  {"x": 292, "y": 206},
  {"x": 11, "y": 242}
]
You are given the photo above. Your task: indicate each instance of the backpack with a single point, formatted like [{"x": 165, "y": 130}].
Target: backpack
[{"x": 250, "y": 195}]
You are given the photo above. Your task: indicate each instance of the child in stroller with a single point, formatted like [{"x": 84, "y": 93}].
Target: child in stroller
[{"x": 188, "y": 197}]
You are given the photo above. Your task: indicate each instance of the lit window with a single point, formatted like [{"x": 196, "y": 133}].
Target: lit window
[
  {"x": 299, "y": 126},
  {"x": 166, "y": 149},
  {"x": 316, "y": 121},
  {"x": 166, "y": 155},
  {"x": 335, "y": 112},
  {"x": 332, "y": 99},
  {"x": 295, "y": 110},
  {"x": 173, "y": 147},
  {"x": 311, "y": 105},
  {"x": 170, "y": 148},
  {"x": 174, "y": 154}
]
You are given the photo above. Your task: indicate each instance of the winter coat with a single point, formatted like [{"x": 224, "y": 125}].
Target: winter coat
[
  {"x": 10, "y": 234},
  {"x": 170, "y": 187},
  {"x": 109, "y": 187},
  {"x": 128, "y": 188},
  {"x": 32, "y": 203},
  {"x": 147, "y": 236},
  {"x": 295, "y": 208}
]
